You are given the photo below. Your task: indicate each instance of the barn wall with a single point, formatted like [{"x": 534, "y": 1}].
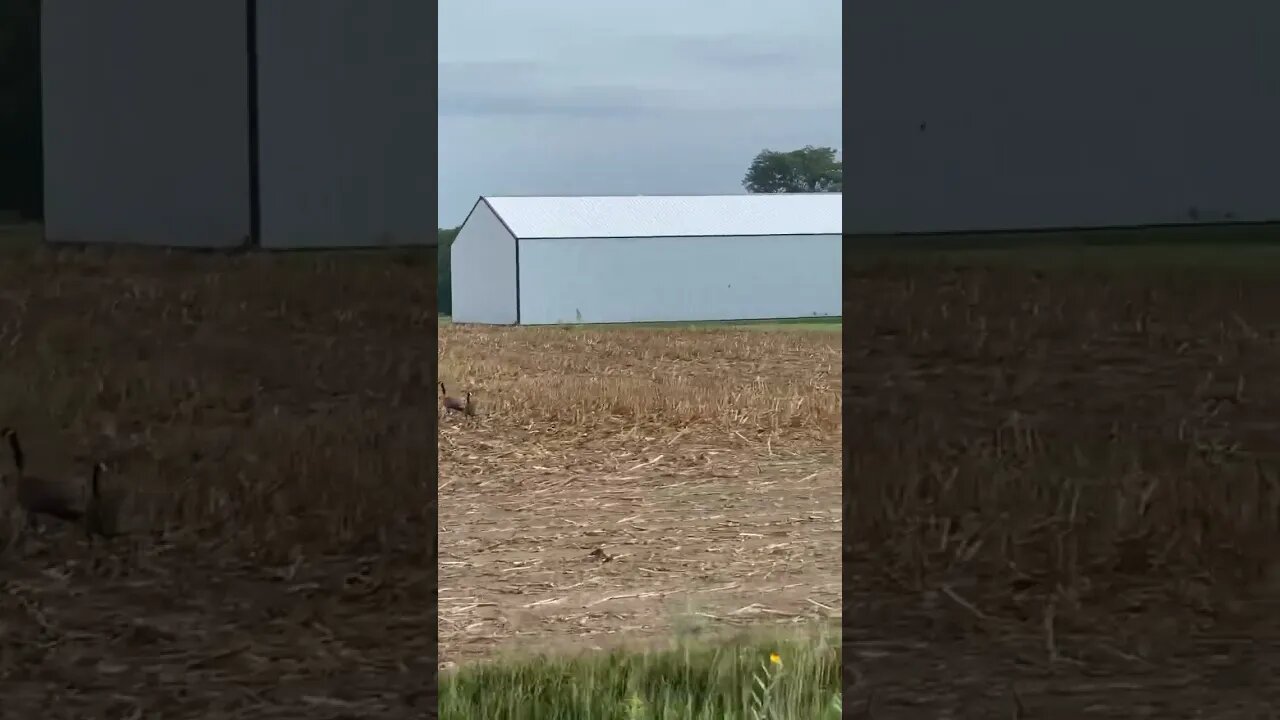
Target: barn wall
[
  {"x": 346, "y": 93},
  {"x": 1002, "y": 114},
  {"x": 145, "y": 122},
  {"x": 483, "y": 263},
  {"x": 595, "y": 280}
]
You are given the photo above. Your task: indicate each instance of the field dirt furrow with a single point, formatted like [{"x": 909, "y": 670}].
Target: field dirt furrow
[{"x": 620, "y": 486}]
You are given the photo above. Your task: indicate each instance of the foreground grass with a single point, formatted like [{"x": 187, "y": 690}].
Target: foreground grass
[{"x": 746, "y": 679}]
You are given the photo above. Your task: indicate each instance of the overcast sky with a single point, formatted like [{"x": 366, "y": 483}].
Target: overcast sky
[{"x": 582, "y": 97}]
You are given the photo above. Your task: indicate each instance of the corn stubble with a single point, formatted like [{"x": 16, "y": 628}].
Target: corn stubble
[
  {"x": 611, "y": 476},
  {"x": 262, "y": 420},
  {"x": 1066, "y": 453},
  {"x": 707, "y": 384}
]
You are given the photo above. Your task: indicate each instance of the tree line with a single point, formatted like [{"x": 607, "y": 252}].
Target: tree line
[{"x": 444, "y": 276}]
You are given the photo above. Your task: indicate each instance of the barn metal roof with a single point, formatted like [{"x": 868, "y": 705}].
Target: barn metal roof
[{"x": 670, "y": 215}]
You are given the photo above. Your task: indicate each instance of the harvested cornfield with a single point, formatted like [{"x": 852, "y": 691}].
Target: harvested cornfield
[
  {"x": 1062, "y": 472},
  {"x": 620, "y": 485},
  {"x": 268, "y": 419}
]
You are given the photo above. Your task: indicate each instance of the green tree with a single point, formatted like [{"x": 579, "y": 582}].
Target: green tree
[
  {"x": 444, "y": 277},
  {"x": 809, "y": 169}
]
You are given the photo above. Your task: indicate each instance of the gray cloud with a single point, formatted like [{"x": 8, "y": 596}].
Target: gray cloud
[
  {"x": 466, "y": 73},
  {"x": 587, "y": 102},
  {"x": 520, "y": 88},
  {"x": 747, "y": 52}
]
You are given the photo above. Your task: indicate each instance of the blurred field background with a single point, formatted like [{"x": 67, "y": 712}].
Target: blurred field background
[
  {"x": 269, "y": 418},
  {"x": 1064, "y": 476}
]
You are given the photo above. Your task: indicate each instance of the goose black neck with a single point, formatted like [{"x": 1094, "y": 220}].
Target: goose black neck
[{"x": 16, "y": 447}]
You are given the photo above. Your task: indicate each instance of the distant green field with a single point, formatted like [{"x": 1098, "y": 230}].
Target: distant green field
[
  {"x": 1230, "y": 247},
  {"x": 19, "y": 234},
  {"x": 821, "y": 324},
  {"x": 1127, "y": 258}
]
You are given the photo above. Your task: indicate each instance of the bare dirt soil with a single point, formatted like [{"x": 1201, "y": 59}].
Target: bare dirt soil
[
  {"x": 1065, "y": 490},
  {"x": 617, "y": 486},
  {"x": 267, "y": 421}
]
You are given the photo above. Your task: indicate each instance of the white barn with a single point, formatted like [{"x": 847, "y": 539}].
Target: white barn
[{"x": 553, "y": 260}]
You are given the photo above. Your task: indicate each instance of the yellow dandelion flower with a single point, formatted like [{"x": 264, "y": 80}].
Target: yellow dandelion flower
[{"x": 775, "y": 658}]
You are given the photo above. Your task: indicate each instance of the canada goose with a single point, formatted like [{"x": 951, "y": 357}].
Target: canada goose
[
  {"x": 99, "y": 518},
  {"x": 456, "y": 404},
  {"x": 39, "y": 496}
]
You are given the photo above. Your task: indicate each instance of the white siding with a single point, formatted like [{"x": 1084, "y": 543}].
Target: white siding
[
  {"x": 615, "y": 280},
  {"x": 483, "y": 266},
  {"x": 146, "y": 134},
  {"x": 1043, "y": 115},
  {"x": 346, "y": 90}
]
